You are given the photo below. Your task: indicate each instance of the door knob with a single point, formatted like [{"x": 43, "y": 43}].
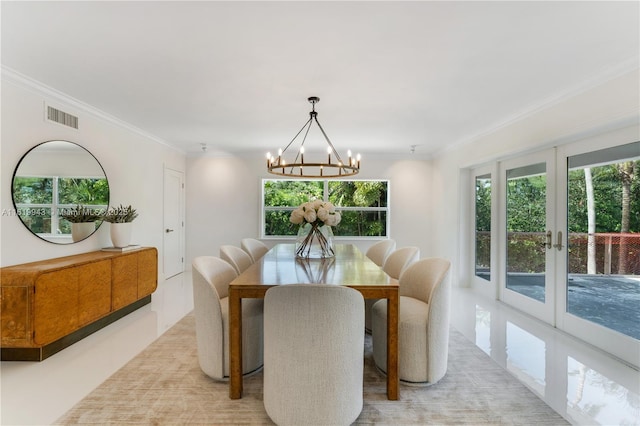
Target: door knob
[{"x": 168, "y": 230}]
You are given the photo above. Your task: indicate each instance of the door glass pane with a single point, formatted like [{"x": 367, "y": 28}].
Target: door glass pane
[
  {"x": 526, "y": 224},
  {"x": 604, "y": 238},
  {"x": 483, "y": 227}
]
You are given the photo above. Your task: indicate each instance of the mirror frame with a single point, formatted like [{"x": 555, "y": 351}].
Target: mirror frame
[{"x": 17, "y": 209}]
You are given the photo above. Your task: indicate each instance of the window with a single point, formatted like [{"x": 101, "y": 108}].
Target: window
[
  {"x": 363, "y": 205},
  {"x": 39, "y": 200},
  {"x": 483, "y": 226}
]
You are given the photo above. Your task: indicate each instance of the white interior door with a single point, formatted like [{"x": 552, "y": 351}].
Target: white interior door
[{"x": 173, "y": 241}]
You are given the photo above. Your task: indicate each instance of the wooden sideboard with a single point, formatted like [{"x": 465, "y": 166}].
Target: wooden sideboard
[{"x": 49, "y": 305}]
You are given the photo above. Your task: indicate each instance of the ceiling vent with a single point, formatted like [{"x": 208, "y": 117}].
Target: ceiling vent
[{"x": 61, "y": 117}]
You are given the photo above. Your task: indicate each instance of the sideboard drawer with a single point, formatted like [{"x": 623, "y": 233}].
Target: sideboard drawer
[
  {"x": 94, "y": 291},
  {"x": 16, "y": 310},
  {"x": 56, "y": 305},
  {"x": 125, "y": 280}
]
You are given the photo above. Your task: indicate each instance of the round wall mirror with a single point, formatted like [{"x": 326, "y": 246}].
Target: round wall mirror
[{"x": 59, "y": 190}]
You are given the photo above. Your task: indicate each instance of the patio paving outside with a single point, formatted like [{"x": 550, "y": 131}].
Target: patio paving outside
[{"x": 612, "y": 301}]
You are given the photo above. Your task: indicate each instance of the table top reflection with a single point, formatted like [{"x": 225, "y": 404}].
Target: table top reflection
[{"x": 349, "y": 267}]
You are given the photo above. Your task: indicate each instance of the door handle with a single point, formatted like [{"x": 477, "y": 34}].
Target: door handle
[
  {"x": 168, "y": 230},
  {"x": 559, "y": 245},
  {"x": 548, "y": 243}
]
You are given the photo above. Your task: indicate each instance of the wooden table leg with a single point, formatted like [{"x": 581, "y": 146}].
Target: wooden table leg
[
  {"x": 235, "y": 344},
  {"x": 393, "y": 382}
]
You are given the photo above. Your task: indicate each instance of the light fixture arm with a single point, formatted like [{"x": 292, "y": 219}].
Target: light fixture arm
[
  {"x": 333, "y": 149},
  {"x": 308, "y": 123}
]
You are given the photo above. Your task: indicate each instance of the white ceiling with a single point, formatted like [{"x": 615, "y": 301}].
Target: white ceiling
[{"x": 236, "y": 75}]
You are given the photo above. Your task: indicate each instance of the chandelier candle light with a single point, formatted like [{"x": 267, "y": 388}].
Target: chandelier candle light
[
  {"x": 298, "y": 168},
  {"x": 315, "y": 236}
]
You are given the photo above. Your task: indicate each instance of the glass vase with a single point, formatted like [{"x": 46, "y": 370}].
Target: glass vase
[{"x": 314, "y": 241}]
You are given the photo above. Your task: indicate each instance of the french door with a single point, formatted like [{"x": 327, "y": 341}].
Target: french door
[
  {"x": 528, "y": 234},
  {"x": 598, "y": 299},
  {"x": 563, "y": 256}
]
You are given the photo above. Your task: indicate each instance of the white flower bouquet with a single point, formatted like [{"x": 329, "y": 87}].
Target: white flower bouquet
[
  {"x": 318, "y": 211},
  {"x": 315, "y": 235}
]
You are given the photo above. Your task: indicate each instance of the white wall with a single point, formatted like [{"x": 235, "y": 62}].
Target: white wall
[
  {"x": 222, "y": 193},
  {"x": 133, "y": 163},
  {"x": 72, "y": 160},
  {"x": 224, "y": 199},
  {"x": 428, "y": 202},
  {"x": 612, "y": 105}
]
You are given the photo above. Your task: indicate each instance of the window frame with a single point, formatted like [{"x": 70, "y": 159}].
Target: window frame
[
  {"x": 488, "y": 287},
  {"x": 325, "y": 196},
  {"x": 55, "y": 206}
]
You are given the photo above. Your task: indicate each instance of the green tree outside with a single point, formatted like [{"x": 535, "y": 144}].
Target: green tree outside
[{"x": 351, "y": 198}]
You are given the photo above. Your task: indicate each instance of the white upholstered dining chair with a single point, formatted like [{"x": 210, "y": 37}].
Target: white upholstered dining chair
[
  {"x": 398, "y": 260},
  {"x": 378, "y": 254},
  {"x": 211, "y": 277},
  {"x": 254, "y": 248},
  {"x": 314, "y": 354},
  {"x": 379, "y": 251},
  {"x": 236, "y": 257},
  {"x": 423, "y": 323}
]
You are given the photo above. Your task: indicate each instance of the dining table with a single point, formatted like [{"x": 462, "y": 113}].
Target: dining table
[{"x": 279, "y": 266}]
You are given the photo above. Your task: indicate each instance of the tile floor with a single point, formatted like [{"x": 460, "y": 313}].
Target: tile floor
[{"x": 581, "y": 383}]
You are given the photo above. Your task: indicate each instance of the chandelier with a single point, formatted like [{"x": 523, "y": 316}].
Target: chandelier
[{"x": 333, "y": 167}]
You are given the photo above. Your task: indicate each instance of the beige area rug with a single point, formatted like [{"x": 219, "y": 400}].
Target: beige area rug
[{"x": 164, "y": 385}]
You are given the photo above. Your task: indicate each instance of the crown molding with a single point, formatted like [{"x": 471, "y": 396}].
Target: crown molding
[
  {"x": 609, "y": 74},
  {"x": 23, "y": 81}
]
